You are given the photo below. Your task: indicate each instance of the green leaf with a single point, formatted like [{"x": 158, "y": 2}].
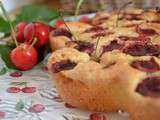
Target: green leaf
[
  {"x": 3, "y": 71},
  {"x": 5, "y": 55},
  {"x": 19, "y": 106},
  {"x": 36, "y": 12},
  {"x": 4, "y": 26}
]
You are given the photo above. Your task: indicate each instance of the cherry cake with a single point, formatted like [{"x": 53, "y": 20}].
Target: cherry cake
[{"x": 111, "y": 63}]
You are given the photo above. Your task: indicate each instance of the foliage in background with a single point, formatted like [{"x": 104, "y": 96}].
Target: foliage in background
[
  {"x": 30, "y": 13},
  {"x": 37, "y": 12}
]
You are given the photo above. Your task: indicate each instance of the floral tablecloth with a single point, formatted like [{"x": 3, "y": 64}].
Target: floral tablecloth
[{"x": 31, "y": 95}]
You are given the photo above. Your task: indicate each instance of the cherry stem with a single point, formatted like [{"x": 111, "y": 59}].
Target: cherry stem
[
  {"x": 33, "y": 33},
  {"x": 10, "y": 23},
  {"x": 33, "y": 43},
  {"x": 80, "y": 2},
  {"x": 97, "y": 42},
  {"x": 119, "y": 11},
  {"x": 62, "y": 18}
]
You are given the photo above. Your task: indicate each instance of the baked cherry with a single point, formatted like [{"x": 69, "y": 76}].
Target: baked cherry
[
  {"x": 63, "y": 65},
  {"x": 94, "y": 29},
  {"x": 146, "y": 32},
  {"x": 37, "y": 30},
  {"x": 62, "y": 32},
  {"x": 150, "y": 86},
  {"x": 113, "y": 45},
  {"x": 24, "y": 57},
  {"x": 85, "y": 47},
  {"x": 146, "y": 65},
  {"x": 20, "y": 31},
  {"x": 142, "y": 49}
]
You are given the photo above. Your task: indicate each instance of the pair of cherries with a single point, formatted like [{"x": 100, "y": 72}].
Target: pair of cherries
[{"x": 30, "y": 36}]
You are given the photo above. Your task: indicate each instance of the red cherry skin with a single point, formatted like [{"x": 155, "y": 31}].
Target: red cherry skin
[
  {"x": 24, "y": 57},
  {"x": 29, "y": 89},
  {"x": 37, "y": 30},
  {"x": 58, "y": 24},
  {"x": 85, "y": 19},
  {"x": 20, "y": 31}
]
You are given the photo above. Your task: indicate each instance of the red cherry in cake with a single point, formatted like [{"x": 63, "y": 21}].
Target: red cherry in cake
[
  {"x": 20, "y": 31},
  {"x": 129, "y": 16},
  {"x": 146, "y": 65},
  {"x": 63, "y": 65},
  {"x": 94, "y": 29},
  {"x": 146, "y": 32},
  {"x": 113, "y": 45},
  {"x": 24, "y": 57},
  {"x": 149, "y": 87},
  {"x": 37, "y": 30},
  {"x": 85, "y": 47},
  {"x": 142, "y": 49},
  {"x": 62, "y": 32}
]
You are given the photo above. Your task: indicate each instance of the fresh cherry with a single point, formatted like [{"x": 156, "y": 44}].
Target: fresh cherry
[
  {"x": 24, "y": 57},
  {"x": 37, "y": 30},
  {"x": 20, "y": 31},
  {"x": 58, "y": 23},
  {"x": 85, "y": 19}
]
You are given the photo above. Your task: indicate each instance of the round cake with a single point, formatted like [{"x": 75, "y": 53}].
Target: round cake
[{"x": 110, "y": 64}]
